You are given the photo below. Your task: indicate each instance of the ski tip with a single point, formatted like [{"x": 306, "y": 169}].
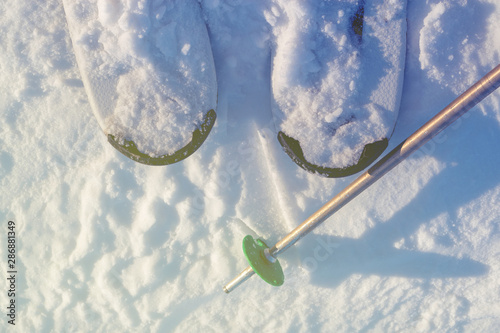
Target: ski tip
[
  {"x": 370, "y": 153},
  {"x": 129, "y": 148}
]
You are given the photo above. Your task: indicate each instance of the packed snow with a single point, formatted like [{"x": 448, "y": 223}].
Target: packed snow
[{"x": 104, "y": 244}]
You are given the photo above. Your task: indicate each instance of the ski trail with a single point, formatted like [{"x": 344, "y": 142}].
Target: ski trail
[
  {"x": 258, "y": 189},
  {"x": 270, "y": 154},
  {"x": 282, "y": 182}
]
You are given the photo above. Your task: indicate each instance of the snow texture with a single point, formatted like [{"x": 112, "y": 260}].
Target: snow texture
[{"x": 105, "y": 244}]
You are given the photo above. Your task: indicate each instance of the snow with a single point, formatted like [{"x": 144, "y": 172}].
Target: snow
[{"x": 105, "y": 244}]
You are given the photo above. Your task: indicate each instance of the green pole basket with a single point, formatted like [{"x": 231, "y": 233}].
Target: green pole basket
[{"x": 269, "y": 271}]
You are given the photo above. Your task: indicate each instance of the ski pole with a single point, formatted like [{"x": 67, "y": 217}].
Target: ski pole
[{"x": 262, "y": 259}]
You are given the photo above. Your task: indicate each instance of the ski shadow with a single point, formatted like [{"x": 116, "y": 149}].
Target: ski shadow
[{"x": 376, "y": 253}]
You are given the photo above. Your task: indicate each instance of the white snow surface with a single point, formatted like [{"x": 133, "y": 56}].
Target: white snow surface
[
  {"x": 147, "y": 67},
  {"x": 105, "y": 244}
]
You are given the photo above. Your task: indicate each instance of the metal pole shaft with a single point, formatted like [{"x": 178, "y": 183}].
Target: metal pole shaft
[
  {"x": 448, "y": 115},
  {"x": 242, "y": 277}
]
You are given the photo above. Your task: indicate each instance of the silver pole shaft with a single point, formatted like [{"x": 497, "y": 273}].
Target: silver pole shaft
[
  {"x": 242, "y": 277},
  {"x": 443, "y": 119}
]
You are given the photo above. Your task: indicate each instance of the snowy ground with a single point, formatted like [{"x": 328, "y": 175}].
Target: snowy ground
[{"x": 108, "y": 245}]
